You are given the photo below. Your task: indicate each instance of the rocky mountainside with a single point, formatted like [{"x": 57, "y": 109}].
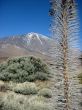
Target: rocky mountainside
[{"x": 30, "y": 43}]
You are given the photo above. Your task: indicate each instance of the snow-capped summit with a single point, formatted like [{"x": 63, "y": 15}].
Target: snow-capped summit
[
  {"x": 32, "y": 42},
  {"x": 33, "y": 36},
  {"x": 28, "y": 44}
]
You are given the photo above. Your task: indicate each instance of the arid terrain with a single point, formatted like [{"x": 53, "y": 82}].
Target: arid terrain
[{"x": 42, "y": 47}]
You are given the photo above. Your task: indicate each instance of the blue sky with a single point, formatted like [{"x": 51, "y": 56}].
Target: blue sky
[{"x": 23, "y": 16}]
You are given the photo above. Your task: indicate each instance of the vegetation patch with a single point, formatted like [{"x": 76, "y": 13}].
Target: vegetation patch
[
  {"x": 45, "y": 92},
  {"x": 39, "y": 106},
  {"x": 39, "y": 103},
  {"x": 12, "y": 101},
  {"x": 3, "y": 87},
  {"x": 26, "y": 88},
  {"x": 20, "y": 93},
  {"x": 80, "y": 77},
  {"x": 24, "y": 69}
]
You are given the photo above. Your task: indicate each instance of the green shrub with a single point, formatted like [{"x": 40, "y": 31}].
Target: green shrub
[
  {"x": 41, "y": 76},
  {"x": 3, "y": 66},
  {"x": 45, "y": 92},
  {"x": 26, "y": 88},
  {"x": 24, "y": 69}
]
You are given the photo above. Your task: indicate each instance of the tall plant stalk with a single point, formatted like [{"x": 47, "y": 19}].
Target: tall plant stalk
[{"x": 64, "y": 28}]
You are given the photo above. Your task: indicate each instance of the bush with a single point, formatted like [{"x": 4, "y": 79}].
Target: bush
[
  {"x": 45, "y": 92},
  {"x": 24, "y": 69},
  {"x": 26, "y": 88},
  {"x": 41, "y": 76}
]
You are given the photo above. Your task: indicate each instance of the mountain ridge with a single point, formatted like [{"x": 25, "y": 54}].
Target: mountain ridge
[{"x": 30, "y": 43}]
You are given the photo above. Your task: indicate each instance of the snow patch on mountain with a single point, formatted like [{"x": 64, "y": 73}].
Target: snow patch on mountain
[
  {"x": 33, "y": 36},
  {"x": 31, "y": 42}
]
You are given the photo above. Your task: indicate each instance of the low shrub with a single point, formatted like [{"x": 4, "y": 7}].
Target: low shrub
[
  {"x": 11, "y": 85},
  {"x": 9, "y": 102},
  {"x": 39, "y": 103},
  {"x": 12, "y": 101},
  {"x": 39, "y": 106},
  {"x": 24, "y": 69},
  {"x": 41, "y": 76},
  {"x": 45, "y": 92},
  {"x": 26, "y": 88}
]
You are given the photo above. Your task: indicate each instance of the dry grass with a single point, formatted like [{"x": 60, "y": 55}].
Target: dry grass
[
  {"x": 42, "y": 84},
  {"x": 45, "y": 92},
  {"x": 10, "y": 100}
]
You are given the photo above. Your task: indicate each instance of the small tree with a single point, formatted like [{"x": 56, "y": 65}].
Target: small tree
[{"x": 64, "y": 28}]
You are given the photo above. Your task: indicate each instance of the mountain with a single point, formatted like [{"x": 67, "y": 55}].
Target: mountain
[{"x": 27, "y": 44}]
